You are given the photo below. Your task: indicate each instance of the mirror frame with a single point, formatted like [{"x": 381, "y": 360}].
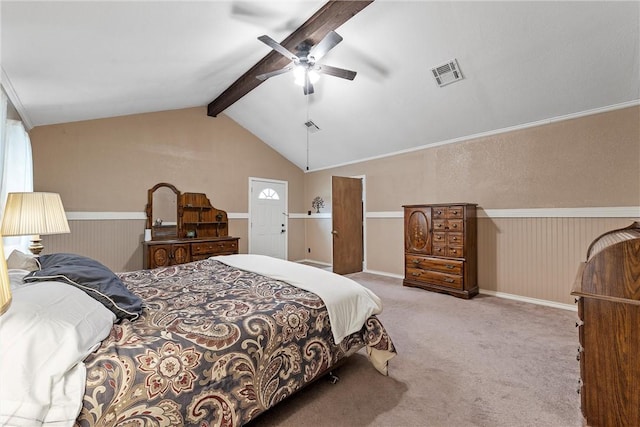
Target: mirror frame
[{"x": 149, "y": 207}]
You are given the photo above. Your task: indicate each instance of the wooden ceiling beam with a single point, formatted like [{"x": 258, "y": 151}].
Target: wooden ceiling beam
[{"x": 329, "y": 17}]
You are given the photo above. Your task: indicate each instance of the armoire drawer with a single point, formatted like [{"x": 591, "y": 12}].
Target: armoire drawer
[
  {"x": 440, "y": 225},
  {"x": 448, "y": 266},
  {"x": 448, "y": 212},
  {"x": 450, "y": 251},
  {"x": 435, "y": 277}
]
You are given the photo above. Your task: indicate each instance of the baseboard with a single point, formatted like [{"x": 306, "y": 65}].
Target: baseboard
[
  {"x": 384, "y": 273},
  {"x": 570, "y": 307},
  {"x": 314, "y": 262}
]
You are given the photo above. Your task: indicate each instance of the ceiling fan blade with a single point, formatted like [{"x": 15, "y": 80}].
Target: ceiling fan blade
[
  {"x": 265, "y": 76},
  {"x": 336, "y": 72},
  {"x": 277, "y": 47},
  {"x": 325, "y": 45}
]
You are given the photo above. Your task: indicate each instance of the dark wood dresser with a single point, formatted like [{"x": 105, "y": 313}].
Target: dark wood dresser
[
  {"x": 162, "y": 253},
  {"x": 607, "y": 287},
  {"x": 200, "y": 230},
  {"x": 441, "y": 248}
]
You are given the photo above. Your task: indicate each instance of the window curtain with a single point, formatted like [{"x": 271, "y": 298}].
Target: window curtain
[{"x": 17, "y": 170}]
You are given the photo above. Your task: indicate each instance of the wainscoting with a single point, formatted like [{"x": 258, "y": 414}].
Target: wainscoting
[
  {"x": 524, "y": 253},
  {"x": 115, "y": 243},
  {"x": 536, "y": 257}
]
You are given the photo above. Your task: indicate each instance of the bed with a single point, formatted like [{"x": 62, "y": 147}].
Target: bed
[{"x": 214, "y": 342}]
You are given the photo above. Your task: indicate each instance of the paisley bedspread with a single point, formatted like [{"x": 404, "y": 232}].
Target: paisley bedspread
[{"x": 215, "y": 346}]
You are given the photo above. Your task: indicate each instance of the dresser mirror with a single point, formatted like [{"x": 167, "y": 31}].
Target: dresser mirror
[{"x": 162, "y": 211}]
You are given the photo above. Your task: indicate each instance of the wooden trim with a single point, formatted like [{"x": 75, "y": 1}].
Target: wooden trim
[
  {"x": 600, "y": 212},
  {"x": 15, "y": 100},
  {"x": 593, "y": 212},
  {"x": 547, "y": 303}
]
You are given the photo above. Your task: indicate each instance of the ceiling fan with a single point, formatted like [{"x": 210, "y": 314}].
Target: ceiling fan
[
  {"x": 329, "y": 17},
  {"x": 304, "y": 63}
]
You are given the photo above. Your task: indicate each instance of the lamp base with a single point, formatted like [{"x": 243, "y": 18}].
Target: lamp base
[{"x": 36, "y": 245}]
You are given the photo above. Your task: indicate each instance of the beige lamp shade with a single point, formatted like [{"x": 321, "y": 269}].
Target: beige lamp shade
[
  {"x": 34, "y": 214},
  {"x": 5, "y": 287}
]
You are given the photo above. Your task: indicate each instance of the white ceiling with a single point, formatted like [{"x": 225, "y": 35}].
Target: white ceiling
[{"x": 523, "y": 62}]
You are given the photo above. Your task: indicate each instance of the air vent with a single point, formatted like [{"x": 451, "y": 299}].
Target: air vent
[
  {"x": 311, "y": 127},
  {"x": 447, "y": 73}
]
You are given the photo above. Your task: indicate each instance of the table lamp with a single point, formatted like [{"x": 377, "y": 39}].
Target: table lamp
[{"x": 34, "y": 214}]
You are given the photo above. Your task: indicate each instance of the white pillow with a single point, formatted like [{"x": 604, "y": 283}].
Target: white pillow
[
  {"x": 22, "y": 261},
  {"x": 49, "y": 328}
]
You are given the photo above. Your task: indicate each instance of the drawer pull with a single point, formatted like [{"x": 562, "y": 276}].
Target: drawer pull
[
  {"x": 449, "y": 280},
  {"x": 416, "y": 261},
  {"x": 455, "y": 239},
  {"x": 450, "y": 267},
  {"x": 415, "y": 274},
  {"x": 454, "y": 212},
  {"x": 454, "y": 225},
  {"x": 454, "y": 251}
]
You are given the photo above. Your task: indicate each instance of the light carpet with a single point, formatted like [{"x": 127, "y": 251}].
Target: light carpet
[{"x": 487, "y": 361}]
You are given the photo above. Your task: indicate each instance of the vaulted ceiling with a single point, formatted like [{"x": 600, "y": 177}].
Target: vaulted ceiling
[{"x": 522, "y": 62}]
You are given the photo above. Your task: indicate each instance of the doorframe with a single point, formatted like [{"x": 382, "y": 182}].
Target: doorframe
[
  {"x": 253, "y": 179},
  {"x": 364, "y": 221}
]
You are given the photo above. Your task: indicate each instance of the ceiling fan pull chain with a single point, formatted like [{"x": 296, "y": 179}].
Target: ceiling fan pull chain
[{"x": 307, "y": 133}]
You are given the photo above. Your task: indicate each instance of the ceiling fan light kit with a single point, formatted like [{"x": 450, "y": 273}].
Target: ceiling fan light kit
[
  {"x": 304, "y": 63},
  {"x": 300, "y": 75}
]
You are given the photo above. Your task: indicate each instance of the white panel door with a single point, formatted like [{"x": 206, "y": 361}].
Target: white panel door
[{"x": 268, "y": 220}]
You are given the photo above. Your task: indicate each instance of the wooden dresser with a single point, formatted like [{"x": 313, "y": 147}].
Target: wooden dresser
[
  {"x": 607, "y": 287},
  {"x": 440, "y": 248},
  {"x": 200, "y": 231},
  {"x": 162, "y": 253}
]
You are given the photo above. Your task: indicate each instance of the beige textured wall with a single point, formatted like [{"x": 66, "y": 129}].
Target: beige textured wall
[
  {"x": 592, "y": 161},
  {"x": 107, "y": 165},
  {"x": 584, "y": 162}
]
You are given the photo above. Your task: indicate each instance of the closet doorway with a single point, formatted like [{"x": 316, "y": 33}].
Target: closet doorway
[{"x": 268, "y": 217}]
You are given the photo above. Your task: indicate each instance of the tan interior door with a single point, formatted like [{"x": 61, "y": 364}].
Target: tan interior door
[{"x": 346, "y": 197}]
